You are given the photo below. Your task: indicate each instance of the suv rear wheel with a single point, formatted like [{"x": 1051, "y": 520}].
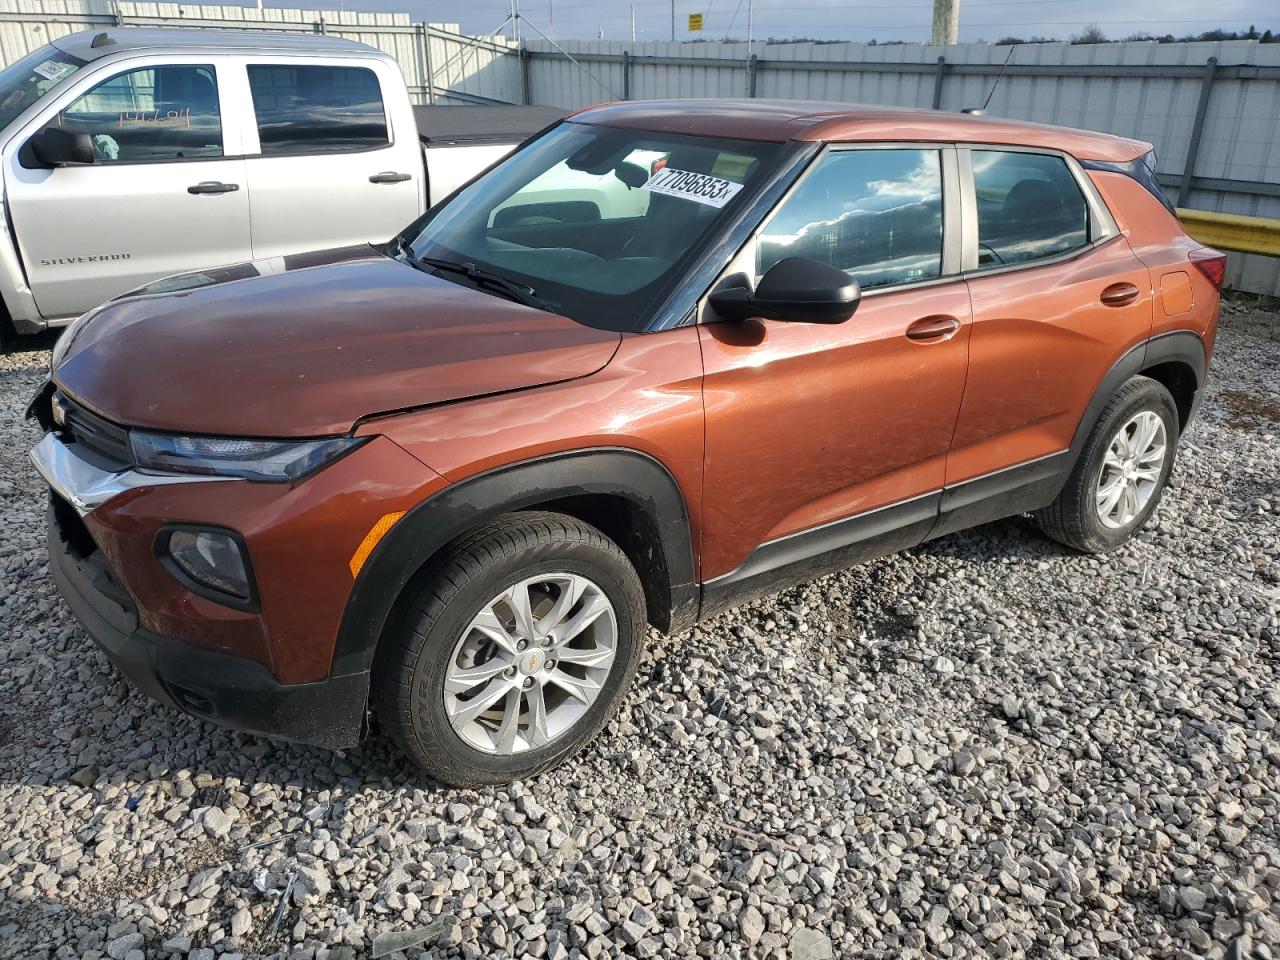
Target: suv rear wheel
[
  {"x": 515, "y": 652},
  {"x": 1121, "y": 473}
]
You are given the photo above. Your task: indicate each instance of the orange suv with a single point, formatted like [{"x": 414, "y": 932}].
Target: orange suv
[{"x": 662, "y": 358}]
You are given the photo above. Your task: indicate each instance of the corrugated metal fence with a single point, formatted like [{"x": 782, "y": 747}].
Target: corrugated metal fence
[
  {"x": 461, "y": 69},
  {"x": 1211, "y": 109}
]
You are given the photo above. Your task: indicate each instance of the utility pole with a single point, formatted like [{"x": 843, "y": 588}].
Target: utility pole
[
  {"x": 946, "y": 22},
  {"x": 673, "y": 21},
  {"x": 749, "y": 5},
  {"x": 515, "y": 20},
  {"x": 633, "y": 23}
]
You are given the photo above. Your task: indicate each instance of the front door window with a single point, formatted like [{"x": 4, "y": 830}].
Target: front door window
[
  {"x": 876, "y": 214},
  {"x": 151, "y": 114}
]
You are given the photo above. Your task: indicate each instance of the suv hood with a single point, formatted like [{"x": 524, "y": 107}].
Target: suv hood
[{"x": 308, "y": 345}]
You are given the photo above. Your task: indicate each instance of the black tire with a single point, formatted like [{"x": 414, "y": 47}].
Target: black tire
[
  {"x": 409, "y": 669},
  {"x": 1072, "y": 519}
]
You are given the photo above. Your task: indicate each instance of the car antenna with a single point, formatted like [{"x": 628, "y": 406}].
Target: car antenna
[
  {"x": 981, "y": 111},
  {"x": 101, "y": 40}
]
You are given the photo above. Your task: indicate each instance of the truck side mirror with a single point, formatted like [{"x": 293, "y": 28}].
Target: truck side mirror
[
  {"x": 61, "y": 146},
  {"x": 796, "y": 289}
]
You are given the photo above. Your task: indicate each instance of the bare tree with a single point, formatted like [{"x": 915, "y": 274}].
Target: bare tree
[{"x": 1090, "y": 34}]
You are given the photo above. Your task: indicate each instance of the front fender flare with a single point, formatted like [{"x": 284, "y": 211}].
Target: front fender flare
[{"x": 462, "y": 506}]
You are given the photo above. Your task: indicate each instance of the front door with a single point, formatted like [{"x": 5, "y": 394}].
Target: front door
[
  {"x": 330, "y": 170},
  {"x": 161, "y": 197},
  {"x": 820, "y": 438}
]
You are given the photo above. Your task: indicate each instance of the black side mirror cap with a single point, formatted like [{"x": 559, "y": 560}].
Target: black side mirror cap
[
  {"x": 60, "y": 147},
  {"x": 796, "y": 289}
]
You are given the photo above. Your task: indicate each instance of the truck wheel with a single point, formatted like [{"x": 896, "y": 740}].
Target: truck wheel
[
  {"x": 514, "y": 652},
  {"x": 1121, "y": 473}
]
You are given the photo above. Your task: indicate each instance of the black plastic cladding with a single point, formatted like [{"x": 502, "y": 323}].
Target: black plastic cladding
[{"x": 431, "y": 525}]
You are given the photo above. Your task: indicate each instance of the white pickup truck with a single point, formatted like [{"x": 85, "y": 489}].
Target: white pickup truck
[{"x": 138, "y": 153}]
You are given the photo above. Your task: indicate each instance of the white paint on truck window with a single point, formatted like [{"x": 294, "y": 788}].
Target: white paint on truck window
[{"x": 698, "y": 187}]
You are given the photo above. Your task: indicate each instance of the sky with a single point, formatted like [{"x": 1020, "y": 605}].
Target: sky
[{"x": 908, "y": 20}]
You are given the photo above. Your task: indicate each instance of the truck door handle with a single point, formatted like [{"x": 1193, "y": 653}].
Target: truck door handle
[
  {"x": 213, "y": 186},
  {"x": 1120, "y": 294},
  {"x": 933, "y": 329},
  {"x": 390, "y": 176}
]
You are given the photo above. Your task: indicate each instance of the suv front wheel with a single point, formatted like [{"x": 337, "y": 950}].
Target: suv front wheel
[
  {"x": 1121, "y": 474},
  {"x": 514, "y": 653}
]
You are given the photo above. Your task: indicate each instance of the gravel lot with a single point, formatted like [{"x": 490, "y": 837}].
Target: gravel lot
[{"x": 986, "y": 747}]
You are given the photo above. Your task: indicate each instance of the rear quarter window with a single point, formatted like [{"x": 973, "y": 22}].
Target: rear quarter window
[{"x": 1143, "y": 169}]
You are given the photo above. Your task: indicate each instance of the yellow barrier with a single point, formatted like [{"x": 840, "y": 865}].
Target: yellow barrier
[{"x": 1229, "y": 231}]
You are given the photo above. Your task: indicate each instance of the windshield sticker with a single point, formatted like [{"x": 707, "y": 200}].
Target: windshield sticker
[
  {"x": 698, "y": 187},
  {"x": 54, "y": 70}
]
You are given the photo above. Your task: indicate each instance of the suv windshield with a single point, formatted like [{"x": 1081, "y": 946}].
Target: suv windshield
[
  {"x": 24, "y": 82},
  {"x": 593, "y": 222}
]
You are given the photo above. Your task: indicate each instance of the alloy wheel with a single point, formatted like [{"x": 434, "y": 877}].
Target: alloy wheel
[
  {"x": 531, "y": 663},
  {"x": 1131, "y": 470}
]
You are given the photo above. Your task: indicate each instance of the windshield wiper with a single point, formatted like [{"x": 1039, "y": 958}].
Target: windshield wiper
[{"x": 513, "y": 290}]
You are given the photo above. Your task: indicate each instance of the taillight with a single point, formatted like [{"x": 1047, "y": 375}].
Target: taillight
[{"x": 1212, "y": 263}]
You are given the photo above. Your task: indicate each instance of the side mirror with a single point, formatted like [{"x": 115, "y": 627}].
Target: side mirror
[
  {"x": 61, "y": 146},
  {"x": 796, "y": 289}
]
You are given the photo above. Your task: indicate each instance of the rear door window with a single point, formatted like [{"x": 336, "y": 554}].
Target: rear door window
[
  {"x": 876, "y": 214},
  {"x": 1029, "y": 207},
  {"x": 317, "y": 109},
  {"x": 151, "y": 114}
]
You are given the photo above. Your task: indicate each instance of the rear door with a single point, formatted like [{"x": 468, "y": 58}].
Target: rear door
[
  {"x": 1058, "y": 296},
  {"x": 329, "y": 167},
  {"x": 165, "y": 195}
]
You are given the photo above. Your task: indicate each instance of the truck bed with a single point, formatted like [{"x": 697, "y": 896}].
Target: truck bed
[{"x": 501, "y": 123}]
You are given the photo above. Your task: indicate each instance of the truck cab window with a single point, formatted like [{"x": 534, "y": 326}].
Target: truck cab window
[
  {"x": 151, "y": 114},
  {"x": 305, "y": 109},
  {"x": 876, "y": 214}
]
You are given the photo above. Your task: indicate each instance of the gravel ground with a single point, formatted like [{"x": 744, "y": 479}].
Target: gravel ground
[{"x": 985, "y": 747}]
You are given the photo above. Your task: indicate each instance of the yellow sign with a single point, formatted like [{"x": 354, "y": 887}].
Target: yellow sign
[{"x": 695, "y": 23}]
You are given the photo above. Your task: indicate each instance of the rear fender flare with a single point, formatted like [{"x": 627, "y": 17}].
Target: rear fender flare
[
  {"x": 1180, "y": 346},
  {"x": 432, "y": 524}
]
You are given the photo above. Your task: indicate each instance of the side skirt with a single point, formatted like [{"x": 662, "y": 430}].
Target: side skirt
[
  {"x": 836, "y": 546},
  {"x": 813, "y": 553},
  {"x": 1005, "y": 493}
]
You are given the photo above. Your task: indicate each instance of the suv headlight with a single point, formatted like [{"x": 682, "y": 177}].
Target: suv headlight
[{"x": 273, "y": 461}]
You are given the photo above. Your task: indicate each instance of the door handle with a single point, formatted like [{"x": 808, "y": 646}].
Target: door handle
[
  {"x": 390, "y": 176},
  {"x": 213, "y": 186},
  {"x": 1120, "y": 294},
  {"x": 933, "y": 329}
]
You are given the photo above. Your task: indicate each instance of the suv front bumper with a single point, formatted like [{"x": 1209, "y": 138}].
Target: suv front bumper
[{"x": 227, "y": 690}]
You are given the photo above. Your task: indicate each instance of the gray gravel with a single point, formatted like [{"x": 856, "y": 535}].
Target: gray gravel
[{"x": 985, "y": 747}]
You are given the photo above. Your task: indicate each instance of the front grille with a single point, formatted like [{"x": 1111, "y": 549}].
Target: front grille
[{"x": 99, "y": 435}]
